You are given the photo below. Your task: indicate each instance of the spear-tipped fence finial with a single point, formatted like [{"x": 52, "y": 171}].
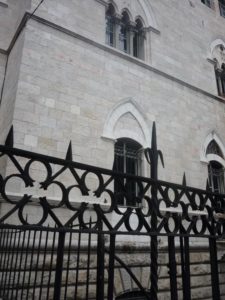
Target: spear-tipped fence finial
[
  {"x": 184, "y": 182},
  {"x": 9, "y": 139},
  {"x": 69, "y": 153},
  {"x": 152, "y": 154}
]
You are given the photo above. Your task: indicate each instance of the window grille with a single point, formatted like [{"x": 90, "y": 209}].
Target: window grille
[
  {"x": 110, "y": 26},
  {"x": 127, "y": 160},
  {"x": 216, "y": 177},
  {"x": 220, "y": 80}
]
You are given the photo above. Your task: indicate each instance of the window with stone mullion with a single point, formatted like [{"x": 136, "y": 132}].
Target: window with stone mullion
[
  {"x": 126, "y": 161},
  {"x": 216, "y": 177},
  {"x": 220, "y": 80}
]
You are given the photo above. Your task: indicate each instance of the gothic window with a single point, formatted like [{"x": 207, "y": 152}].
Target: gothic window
[
  {"x": 127, "y": 160},
  {"x": 138, "y": 40},
  {"x": 207, "y": 2},
  {"x": 222, "y": 8},
  {"x": 215, "y": 169},
  {"x": 220, "y": 80},
  {"x": 110, "y": 26},
  {"x": 124, "y": 34},
  {"x": 213, "y": 148}
]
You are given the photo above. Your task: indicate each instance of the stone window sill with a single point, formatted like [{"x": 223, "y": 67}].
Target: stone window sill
[{"x": 3, "y": 3}]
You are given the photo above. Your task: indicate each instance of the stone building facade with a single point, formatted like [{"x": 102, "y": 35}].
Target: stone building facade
[{"x": 98, "y": 71}]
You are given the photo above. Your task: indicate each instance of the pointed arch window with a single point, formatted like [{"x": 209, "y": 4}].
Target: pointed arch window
[
  {"x": 138, "y": 40},
  {"x": 220, "y": 80},
  {"x": 124, "y": 34},
  {"x": 215, "y": 169},
  {"x": 110, "y": 26},
  {"x": 128, "y": 160}
]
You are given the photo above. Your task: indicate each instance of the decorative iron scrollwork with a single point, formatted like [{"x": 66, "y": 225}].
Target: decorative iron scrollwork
[{"x": 178, "y": 209}]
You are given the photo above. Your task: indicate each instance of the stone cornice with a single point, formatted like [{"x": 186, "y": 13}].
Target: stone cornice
[{"x": 111, "y": 50}]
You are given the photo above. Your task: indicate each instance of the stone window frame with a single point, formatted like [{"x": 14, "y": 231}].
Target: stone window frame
[
  {"x": 128, "y": 105},
  {"x": 125, "y": 149},
  {"x": 133, "y": 31},
  {"x": 208, "y": 158},
  {"x": 216, "y": 57}
]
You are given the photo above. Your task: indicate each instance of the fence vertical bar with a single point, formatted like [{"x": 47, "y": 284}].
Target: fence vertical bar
[
  {"x": 8, "y": 249},
  {"x": 100, "y": 267},
  {"x": 10, "y": 264},
  {"x": 31, "y": 264},
  {"x": 111, "y": 266},
  {"x": 37, "y": 265},
  {"x": 25, "y": 264},
  {"x": 68, "y": 265},
  {"x": 214, "y": 269},
  {"x": 88, "y": 261},
  {"x": 185, "y": 264},
  {"x": 50, "y": 266},
  {"x": 59, "y": 265},
  {"x": 2, "y": 240},
  {"x": 14, "y": 261},
  {"x": 77, "y": 265},
  {"x": 19, "y": 260},
  {"x": 152, "y": 156},
  {"x": 172, "y": 268},
  {"x": 43, "y": 265}
]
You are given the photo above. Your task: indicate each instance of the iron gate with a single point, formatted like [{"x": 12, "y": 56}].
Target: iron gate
[{"x": 79, "y": 246}]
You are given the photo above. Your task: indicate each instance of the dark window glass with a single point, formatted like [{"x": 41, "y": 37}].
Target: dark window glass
[
  {"x": 216, "y": 177},
  {"x": 220, "y": 80},
  {"x": 124, "y": 34},
  {"x": 222, "y": 8},
  {"x": 207, "y": 2},
  {"x": 127, "y": 160},
  {"x": 138, "y": 40},
  {"x": 213, "y": 148},
  {"x": 110, "y": 26}
]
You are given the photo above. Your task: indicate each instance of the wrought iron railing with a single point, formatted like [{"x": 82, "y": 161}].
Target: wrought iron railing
[
  {"x": 176, "y": 209},
  {"x": 166, "y": 209}
]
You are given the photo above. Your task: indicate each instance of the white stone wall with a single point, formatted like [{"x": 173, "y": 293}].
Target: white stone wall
[
  {"x": 181, "y": 47},
  {"x": 67, "y": 88},
  {"x": 10, "y": 88},
  {"x": 11, "y": 13}
]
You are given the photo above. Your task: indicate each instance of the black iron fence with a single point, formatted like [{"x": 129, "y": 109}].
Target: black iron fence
[{"x": 75, "y": 247}]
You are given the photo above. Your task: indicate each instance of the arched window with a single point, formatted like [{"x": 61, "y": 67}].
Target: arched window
[
  {"x": 124, "y": 34},
  {"x": 110, "y": 26},
  {"x": 220, "y": 80},
  {"x": 215, "y": 169},
  {"x": 127, "y": 159},
  {"x": 216, "y": 177},
  {"x": 138, "y": 40}
]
